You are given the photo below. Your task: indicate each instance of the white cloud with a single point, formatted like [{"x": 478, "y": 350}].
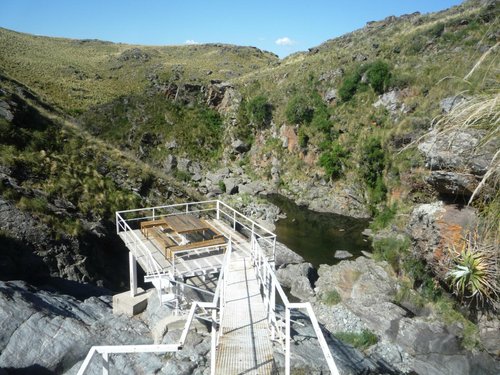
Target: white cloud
[
  {"x": 285, "y": 41},
  {"x": 190, "y": 41}
]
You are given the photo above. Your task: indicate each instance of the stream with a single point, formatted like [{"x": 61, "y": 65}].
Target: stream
[{"x": 316, "y": 235}]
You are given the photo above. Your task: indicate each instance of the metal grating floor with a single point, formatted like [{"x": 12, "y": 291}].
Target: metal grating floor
[{"x": 245, "y": 346}]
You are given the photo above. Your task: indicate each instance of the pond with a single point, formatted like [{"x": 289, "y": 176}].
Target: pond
[{"x": 315, "y": 235}]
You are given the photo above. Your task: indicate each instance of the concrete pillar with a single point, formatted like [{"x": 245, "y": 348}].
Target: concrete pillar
[{"x": 133, "y": 274}]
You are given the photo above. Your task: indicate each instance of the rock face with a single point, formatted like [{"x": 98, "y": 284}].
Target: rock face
[
  {"x": 419, "y": 344},
  {"x": 457, "y": 160},
  {"x": 45, "y": 332},
  {"x": 299, "y": 279},
  {"x": 30, "y": 252},
  {"x": 433, "y": 227}
]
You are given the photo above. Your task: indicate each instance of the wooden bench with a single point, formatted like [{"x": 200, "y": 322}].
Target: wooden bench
[
  {"x": 217, "y": 240},
  {"x": 146, "y": 225}
]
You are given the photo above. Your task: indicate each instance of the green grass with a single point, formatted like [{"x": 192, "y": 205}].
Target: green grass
[
  {"x": 331, "y": 298},
  {"x": 361, "y": 341}
]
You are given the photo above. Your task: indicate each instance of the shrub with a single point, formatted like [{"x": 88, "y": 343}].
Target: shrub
[
  {"x": 349, "y": 85},
  {"x": 333, "y": 160},
  {"x": 379, "y": 75},
  {"x": 298, "y": 110},
  {"x": 303, "y": 137},
  {"x": 320, "y": 119},
  {"x": 473, "y": 273},
  {"x": 362, "y": 340},
  {"x": 259, "y": 111},
  {"x": 383, "y": 217},
  {"x": 391, "y": 250},
  {"x": 332, "y": 297},
  {"x": 372, "y": 162},
  {"x": 222, "y": 186}
]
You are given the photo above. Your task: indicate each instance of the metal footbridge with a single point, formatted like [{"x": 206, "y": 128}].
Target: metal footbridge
[{"x": 248, "y": 310}]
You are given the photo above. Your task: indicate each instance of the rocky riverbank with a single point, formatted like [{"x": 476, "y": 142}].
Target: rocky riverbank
[{"x": 358, "y": 295}]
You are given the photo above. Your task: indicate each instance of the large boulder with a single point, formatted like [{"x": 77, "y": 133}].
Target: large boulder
[
  {"x": 456, "y": 151},
  {"x": 436, "y": 226}
]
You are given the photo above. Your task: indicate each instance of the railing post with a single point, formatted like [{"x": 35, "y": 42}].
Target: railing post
[
  {"x": 214, "y": 343},
  {"x": 117, "y": 223},
  {"x": 234, "y": 220},
  {"x": 287, "y": 341},
  {"x": 272, "y": 308},
  {"x": 133, "y": 274},
  {"x": 154, "y": 214},
  {"x": 105, "y": 364},
  {"x": 218, "y": 211}
]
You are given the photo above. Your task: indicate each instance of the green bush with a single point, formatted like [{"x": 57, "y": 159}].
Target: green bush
[
  {"x": 362, "y": 340},
  {"x": 383, "y": 217},
  {"x": 303, "y": 137},
  {"x": 350, "y": 85},
  {"x": 320, "y": 119},
  {"x": 299, "y": 110},
  {"x": 372, "y": 162},
  {"x": 332, "y": 297},
  {"x": 391, "y": 250},
  {"x": 259, "y": 111},
  {"x": 333, "y": 160},
  {"x": 379, "y": 75}
]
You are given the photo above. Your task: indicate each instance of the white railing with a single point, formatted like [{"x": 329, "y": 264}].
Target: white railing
[
  {"x": 216, "y": 306},
  {"x": 139, "y": 249},
  {"x": 214, "y": 209},
  {"x": 270, "y": 284}
]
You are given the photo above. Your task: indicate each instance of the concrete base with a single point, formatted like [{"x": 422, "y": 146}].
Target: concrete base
[{"x": 124, "y": 303}]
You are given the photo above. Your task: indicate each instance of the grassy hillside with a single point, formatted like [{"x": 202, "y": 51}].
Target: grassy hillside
[
  {"x": 77, "y": 74},
  {"x": 347, "y": 108}
]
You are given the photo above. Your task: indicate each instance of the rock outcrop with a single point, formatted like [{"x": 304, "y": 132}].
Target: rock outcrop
[
  {"x": 457, "y": 160},
  {"x": 46, "y": 332},
  {"x": 420, "y": 344}
]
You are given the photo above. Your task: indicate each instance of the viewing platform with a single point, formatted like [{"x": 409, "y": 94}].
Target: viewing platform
[{"x": 180, "y": 246}]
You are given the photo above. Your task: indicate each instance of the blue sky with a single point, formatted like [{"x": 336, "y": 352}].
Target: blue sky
[{"x": 282, "y": 27}]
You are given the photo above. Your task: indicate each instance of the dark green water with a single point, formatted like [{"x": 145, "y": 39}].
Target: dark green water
[{"x": 316, "y": 236}]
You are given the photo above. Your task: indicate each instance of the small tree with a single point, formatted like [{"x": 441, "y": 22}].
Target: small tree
[
  {"x": 259, "y": 111},
  {"x": 378, "y": 75},
  {"x": 298, "y": 110},
  {"x": 333, "y": 160}
]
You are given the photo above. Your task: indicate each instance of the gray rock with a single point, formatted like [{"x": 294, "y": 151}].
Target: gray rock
[
  {"x": 5, "y": 111},
  {"x": 447, "y": 104},
  {"x": 330, "y": 95},
  {"x": 196, "y": 177},
  {"x": 183, "y": 164},
  {"x": 391, "y": 100},
  {"x": 453, "y": 183},
  {"x": 171, "y": 144},
  {"x": 286, "y": 256},
  {"x": 458, "y": 151},
  {"x": 302, "y": 289},
  {"x": 430, "y": 226},
  {"x": 231, "y": 184},
  {"x": 331, "y": 75},
  {"x": 239, "y": 146},
  {"x": 252, "y": 188},
  {"x": 195, "y": 168},
  {"x": 342, "y": 254},
  {"x": 289, "y": 272},
  {"x": 170, "y": 163},
  {"x": 359, "y": 57}
]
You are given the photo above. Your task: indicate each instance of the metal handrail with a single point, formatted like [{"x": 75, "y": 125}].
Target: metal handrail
[
  {"x": 217, "y": 304},
  {"x": 139, "y": 245},
  {"x": 264, "y": 271}
]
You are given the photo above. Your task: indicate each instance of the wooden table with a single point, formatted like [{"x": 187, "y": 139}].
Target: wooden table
[{"x": 183, "y": 224}]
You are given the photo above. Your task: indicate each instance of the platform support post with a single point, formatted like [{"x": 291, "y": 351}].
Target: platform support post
[{"x": 133, "y": 274}]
